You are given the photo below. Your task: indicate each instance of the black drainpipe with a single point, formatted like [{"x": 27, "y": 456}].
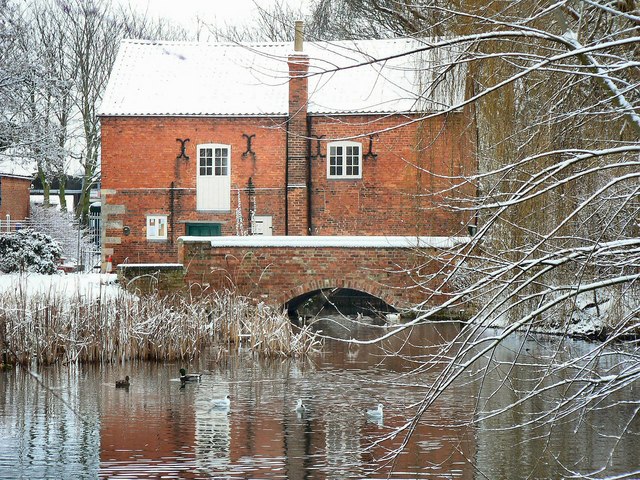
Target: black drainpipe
[
  {"x": 286, "y": 182},
  {"x": 309, "y": 176},
  {"x": 171, "y": 210}
]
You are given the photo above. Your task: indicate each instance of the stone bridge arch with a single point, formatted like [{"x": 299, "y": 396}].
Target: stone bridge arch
[
  {"x": 364, "y": 286},
  {"x": 336, "y": 295}
]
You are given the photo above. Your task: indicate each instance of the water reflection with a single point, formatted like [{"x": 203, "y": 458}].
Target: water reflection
[
  {"x": 213, "y": 429},
  {"x": 155, "y": 428},
  {"x": 40, "y": 436},
  {"x": 593, "y": 434}
]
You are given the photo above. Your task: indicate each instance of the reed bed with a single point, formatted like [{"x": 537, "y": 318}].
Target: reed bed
[{"x": 55, "y": 327}]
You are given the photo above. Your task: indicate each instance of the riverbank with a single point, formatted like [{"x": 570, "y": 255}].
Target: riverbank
[
  {"x": 81, "y": 318},
  {"x": 604, "y": 314}
]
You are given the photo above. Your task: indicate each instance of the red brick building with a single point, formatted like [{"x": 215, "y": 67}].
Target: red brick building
[
  {"x": 15, "y": 188},
  {"x": 235, "y": 139}
]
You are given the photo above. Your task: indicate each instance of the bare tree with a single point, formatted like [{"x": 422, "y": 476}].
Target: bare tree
[
  {"x": 13, "y": 66},
  {"x": 48, "y": 96},
  {"x": 92, "y": 44},
  {"x": 555, "y": 91},
  {"x": 78, "y": 42}
]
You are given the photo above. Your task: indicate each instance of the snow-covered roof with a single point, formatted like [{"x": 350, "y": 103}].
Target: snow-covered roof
[
  {"x": 15, "y": 167},
  {"x": 251, "y": 79}
]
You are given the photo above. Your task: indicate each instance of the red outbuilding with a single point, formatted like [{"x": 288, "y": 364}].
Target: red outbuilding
[{"x": 15, "y": 189}]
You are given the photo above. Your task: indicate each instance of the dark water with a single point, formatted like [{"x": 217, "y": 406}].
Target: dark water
[{"x": 80, "y": 426}]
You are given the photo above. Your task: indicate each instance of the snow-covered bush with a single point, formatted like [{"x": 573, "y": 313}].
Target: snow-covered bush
[{"x": 29, "y": 251}]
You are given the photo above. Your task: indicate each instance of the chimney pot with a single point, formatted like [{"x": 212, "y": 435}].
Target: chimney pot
[{"x": 299, "y": 36}]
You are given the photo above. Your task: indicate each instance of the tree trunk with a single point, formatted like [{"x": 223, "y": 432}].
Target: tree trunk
[
  {"x": 46, "y": 188},
  {"x": 62, "y": 192}
]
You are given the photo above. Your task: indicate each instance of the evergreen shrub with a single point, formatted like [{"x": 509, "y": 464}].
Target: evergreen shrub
[{"x": 29, "y": 251}]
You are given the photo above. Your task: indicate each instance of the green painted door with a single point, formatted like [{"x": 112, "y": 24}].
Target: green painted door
[{"x": 204, "y": 229}]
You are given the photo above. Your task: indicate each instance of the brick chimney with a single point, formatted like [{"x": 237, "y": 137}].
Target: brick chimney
[{"x": 297, "y": 145}]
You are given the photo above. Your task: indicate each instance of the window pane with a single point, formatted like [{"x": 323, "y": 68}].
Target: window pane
[
  {"x": 221, "y": 161},
  {"x": 353, "y": 160},
  {"x": 206, "y": 161},
  {"x": 335, "y": 160}
]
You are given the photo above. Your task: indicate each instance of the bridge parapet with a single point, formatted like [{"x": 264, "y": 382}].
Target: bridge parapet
[{"x": 402, "y": 271}]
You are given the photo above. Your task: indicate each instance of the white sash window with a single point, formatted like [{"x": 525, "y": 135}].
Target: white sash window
[{"x": 344, "y": 160}]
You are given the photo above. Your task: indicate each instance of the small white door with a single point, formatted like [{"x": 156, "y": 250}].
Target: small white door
[
  {"x": 262, "y": 225},
  {"x": 213, "y": 184}
]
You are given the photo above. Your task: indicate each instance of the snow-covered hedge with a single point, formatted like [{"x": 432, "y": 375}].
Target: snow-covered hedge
[{"x": 29, "y": 251}]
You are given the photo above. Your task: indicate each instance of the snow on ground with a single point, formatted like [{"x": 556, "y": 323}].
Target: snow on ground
[{"x": 89, "y": 285}]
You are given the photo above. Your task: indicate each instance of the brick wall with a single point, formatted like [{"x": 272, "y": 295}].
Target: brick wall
[
  {"x": 139, "y": 168},
  {"x": 149, "y": 278},
  {"x": 276, "y": 275},
  {"x": 400, "y": 192},
  {"x": 14, "y": 198},
  {"x": 397, "y": 195}
]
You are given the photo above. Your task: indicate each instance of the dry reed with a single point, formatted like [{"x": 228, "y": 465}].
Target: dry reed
[{"x": 53, "y": 327}]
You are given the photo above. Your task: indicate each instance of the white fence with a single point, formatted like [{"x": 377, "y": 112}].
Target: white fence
[{"x": 7, "y": 225}]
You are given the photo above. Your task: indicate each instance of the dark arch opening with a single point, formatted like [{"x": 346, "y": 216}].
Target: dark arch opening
[{"x": 345, "y": 301}]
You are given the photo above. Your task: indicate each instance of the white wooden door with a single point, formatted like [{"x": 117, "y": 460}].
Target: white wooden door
[
  {"x": 262, "y": 225},
  {"x": 213, "y": 184}
]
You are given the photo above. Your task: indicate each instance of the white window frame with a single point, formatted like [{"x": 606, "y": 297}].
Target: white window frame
[
  {"x": 155, "y": 224},
  {"x": 214, "y": 170},
  {"x": 338, "y": 157}
]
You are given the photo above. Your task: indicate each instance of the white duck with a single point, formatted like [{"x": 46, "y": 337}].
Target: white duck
[
  {"x": 376, "y": 413},
  {"x": 221, "y": 403},
  {"x": 300, "y": 407}
]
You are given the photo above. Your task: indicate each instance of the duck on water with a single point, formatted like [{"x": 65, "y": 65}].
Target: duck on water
[
  {"x": 300, "y": 407},
  {"x": 189, "y": 377},
  {"x": 123, "y": 383},
  {"x": 375, "y": 414},
  {"x": 221, "y": 403}
]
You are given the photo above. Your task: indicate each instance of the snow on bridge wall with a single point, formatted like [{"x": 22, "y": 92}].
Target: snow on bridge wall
[{"x": 278, "y": 269}]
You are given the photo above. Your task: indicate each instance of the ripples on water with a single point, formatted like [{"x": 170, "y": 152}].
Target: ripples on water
[{"x": 156, "y": 429}]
